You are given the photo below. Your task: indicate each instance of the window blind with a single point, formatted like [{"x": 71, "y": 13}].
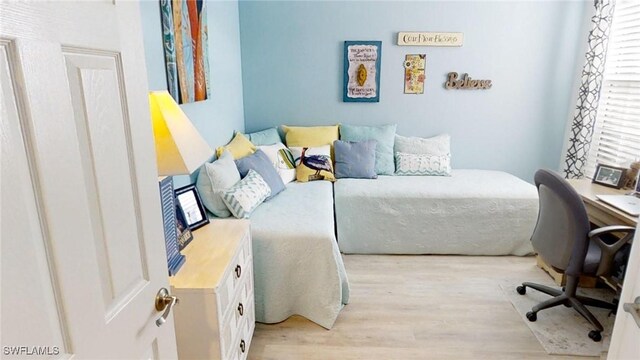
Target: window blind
[{"x": 616, "y": 139}]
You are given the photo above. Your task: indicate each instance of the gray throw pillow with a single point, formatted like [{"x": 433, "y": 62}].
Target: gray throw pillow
[
  {"x": 355, "y": 159},
  {"x": 260, "y": 163},
  {"x": 213, "y": 179}
]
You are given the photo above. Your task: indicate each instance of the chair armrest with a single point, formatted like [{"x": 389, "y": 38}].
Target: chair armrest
[{"x": 610, "y": 250}]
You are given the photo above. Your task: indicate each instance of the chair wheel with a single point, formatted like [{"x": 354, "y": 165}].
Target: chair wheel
[
  {"x": 567, "y": 304},
  {"x": 521, "y": 290},
  {"x": 531, "y": 316},
  {"x": 595, "y": 335}
]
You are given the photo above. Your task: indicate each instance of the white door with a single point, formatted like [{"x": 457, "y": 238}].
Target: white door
[
  {"x": 625, "y": 341},
  {"x": 82, "y": 250}
]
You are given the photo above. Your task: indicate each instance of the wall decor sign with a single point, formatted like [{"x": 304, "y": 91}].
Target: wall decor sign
[
  {"x": 414, "y": 73},
  {"x": 362, "y": 71},
  {"x": 186, "y": 55},
  {"x": 465, "y": 82},
  {"x": 430, "y": 38}
]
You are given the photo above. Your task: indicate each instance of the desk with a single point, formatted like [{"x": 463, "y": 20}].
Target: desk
[{"x": 600, "y": 213}]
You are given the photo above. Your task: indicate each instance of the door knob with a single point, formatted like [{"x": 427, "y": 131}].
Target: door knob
[
  {"x": 165, "y": 302},
  {"x": 633, "y": 309}
]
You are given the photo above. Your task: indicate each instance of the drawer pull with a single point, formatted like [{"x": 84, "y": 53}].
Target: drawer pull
[
  {"x": 240, "y": 309},
  {"x": 242, "y": 346},
  {"x": 238, "y": 271}
]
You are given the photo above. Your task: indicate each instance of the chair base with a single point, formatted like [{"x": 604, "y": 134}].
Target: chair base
[{"x": 567, "y": 297}]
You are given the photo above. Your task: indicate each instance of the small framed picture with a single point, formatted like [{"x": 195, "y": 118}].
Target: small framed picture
[
  {"x": 184, "y": 233},
  {"x": 192, "y": 208},
  {"x": 611, "y": 176}
]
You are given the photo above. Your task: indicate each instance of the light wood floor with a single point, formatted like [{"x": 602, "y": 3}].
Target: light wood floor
[{"x": 415, "y": 307}]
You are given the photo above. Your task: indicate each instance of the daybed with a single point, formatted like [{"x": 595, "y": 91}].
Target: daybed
[
  {"x": 471, "y": 212},
  {"x": 295, "y": 245}
]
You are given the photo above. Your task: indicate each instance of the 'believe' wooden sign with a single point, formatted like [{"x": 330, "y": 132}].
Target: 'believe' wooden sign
[
  {"x": 465, "y": 82},
  {"x": 430, "y": 39}
]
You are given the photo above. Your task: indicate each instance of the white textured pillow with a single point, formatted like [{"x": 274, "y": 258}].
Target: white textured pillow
[
  {"x": 282, "y": 160},
  {"x": 422, "y": 164},
  {"x": 214, "y": 178},
  {"x": 245, "y": 196},
  {"x": 437, "y": 145}
]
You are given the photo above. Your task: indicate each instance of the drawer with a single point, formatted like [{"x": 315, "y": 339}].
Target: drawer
[
  {"x": 234, "y": 276},
  {"x": 228, "y": 332},
  {"x": 241, "y": 262},
  {"x": 244, "y": 301}
]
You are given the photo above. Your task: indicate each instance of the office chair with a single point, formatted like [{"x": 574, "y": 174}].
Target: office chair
[{"x": 562, "y": 238}]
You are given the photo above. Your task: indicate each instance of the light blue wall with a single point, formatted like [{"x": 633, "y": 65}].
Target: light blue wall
[
  {"x": 292, "y": 72},
  {"x": 218, "y": 117}
]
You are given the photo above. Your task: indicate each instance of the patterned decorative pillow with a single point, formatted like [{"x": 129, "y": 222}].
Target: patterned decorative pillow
[
  {"x": 282, "y": 160},
  {"x": 423, "y": 164},
  {"x": 313, "y": 163},
  {"x": 245, "y": 196}
]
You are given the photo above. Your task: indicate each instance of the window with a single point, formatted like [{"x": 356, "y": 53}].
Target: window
[{"x": 616, "y": 139}]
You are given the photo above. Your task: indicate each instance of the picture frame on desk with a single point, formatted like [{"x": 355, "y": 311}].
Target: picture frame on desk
[
  {"x": 194, "y": 212},
  {"x": 611, "y": 176},
  {"x": 184, "y": 233}
]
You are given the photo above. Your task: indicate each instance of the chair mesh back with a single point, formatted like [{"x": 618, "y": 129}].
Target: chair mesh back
[{"x": 561, "y": 234}]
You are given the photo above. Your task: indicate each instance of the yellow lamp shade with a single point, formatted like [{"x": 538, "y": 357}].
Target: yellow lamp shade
[{"x": 180, "y": 149}]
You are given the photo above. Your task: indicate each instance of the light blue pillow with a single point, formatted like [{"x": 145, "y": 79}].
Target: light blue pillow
[
  {"x": 260, "y": 163},
  {"x": 245, "y": 196},
  {"x": 264, "y": 137},
  {"x": 214, "y": 178},
  {"x": 355, "y": 159},
  {"x": 385, "y": 137}
]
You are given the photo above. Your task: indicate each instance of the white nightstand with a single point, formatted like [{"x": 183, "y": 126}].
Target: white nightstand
[{"x": 215, "y": 318}]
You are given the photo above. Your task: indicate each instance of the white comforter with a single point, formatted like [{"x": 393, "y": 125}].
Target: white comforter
[
  {"x": 297, "y": 264},
  {"x": 472, "y": 212}
]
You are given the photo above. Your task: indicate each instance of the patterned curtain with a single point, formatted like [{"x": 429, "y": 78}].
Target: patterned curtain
[{"x": 584, "y": 120}]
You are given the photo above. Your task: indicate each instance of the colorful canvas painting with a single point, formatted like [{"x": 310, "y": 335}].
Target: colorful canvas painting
[
  {"x": 184, "y": 32},
  {"x": 362, "y": 71},
  {"x": 414, "y": 73}
]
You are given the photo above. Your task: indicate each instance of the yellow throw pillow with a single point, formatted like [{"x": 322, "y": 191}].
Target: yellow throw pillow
[
  {"x": 313, "y": 163},
  {"x": 310, "y": 136},
  {"x": 239, "y": 147}
]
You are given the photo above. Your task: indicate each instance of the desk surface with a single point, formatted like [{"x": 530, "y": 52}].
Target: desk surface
[{"x": 589, "y": 190}]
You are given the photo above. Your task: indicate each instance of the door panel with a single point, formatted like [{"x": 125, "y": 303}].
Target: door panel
[
  {"x": 91, "y": 182},
  {"x": 103, "y": 135},
  {"x": 24, "y": 234}
]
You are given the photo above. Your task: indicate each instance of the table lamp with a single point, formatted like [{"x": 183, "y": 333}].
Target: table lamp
[{"x": 180, "y": 150}]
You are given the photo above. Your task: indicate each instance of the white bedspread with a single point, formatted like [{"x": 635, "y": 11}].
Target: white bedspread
[
  {"x": 297, "y": 264},
  {"x": 473, "y": 212}
]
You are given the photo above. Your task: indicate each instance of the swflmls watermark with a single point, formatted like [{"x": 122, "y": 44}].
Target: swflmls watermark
[{"x": 30, "y": 350}]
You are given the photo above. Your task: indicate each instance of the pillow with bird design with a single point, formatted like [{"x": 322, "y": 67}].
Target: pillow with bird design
[{"x": 313, "y": 163}]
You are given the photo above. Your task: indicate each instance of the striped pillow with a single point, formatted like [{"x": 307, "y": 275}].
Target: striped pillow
[{"x": 245, "y": 196}]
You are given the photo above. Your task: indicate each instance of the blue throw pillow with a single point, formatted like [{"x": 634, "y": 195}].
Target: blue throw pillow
[
  {"x": 385, "y": 137},
  {"x": 264, "y": 137},
  {"x": 260, "y": 163},
  {"x": 355, "y": 159}
]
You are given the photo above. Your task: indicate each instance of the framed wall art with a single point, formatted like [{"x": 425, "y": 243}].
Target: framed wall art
[
  {"x": 186, "y": 54},
  {"x": 362, "y": 71},
  {"x": 414, "y": 73}
]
